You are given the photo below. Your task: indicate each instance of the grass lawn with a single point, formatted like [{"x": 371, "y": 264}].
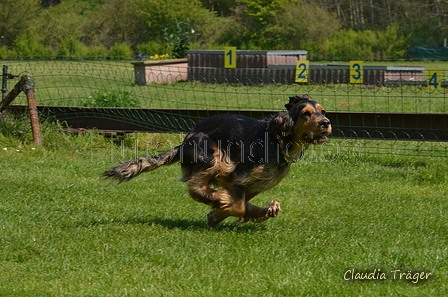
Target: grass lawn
[{"x": 65, "y": 232}]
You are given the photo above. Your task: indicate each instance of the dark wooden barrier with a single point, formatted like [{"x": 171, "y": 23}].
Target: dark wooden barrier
[{"x": 365, "y": 125}]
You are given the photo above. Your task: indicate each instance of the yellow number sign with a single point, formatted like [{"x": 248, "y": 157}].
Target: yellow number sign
[
  {"x": 433, "y": 78},
  {"x": 356, "y": 72},
  {"x": 230, "y": 57},
  {"x": 302, "y": 71}
]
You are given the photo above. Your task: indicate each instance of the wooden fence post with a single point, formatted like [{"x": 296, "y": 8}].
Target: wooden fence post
[
  {"x": 26, "y": 84},
  {"x": 11, "y": 96},
  {"x": 28, "y": 88}
]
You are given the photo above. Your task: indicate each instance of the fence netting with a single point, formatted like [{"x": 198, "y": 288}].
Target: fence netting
[{"x": 85, "y": 87}]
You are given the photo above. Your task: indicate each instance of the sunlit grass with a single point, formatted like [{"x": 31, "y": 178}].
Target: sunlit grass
[{"x": 65, "y": 232}]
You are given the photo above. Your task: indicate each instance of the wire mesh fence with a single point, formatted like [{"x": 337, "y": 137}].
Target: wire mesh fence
[{"x": 87, "y": 86}]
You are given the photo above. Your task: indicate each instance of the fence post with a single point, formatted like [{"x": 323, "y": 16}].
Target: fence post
[
  {"x": 11, "y": 96},
  {"x": 28, "y": 88},
  {"x": 4, "y": 81}
]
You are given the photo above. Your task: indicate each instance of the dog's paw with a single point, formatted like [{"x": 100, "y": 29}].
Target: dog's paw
[{"x": 273, "y": 209}]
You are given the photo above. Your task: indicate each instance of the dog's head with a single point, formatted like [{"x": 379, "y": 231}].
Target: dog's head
[{"x": 305, "y": 121}]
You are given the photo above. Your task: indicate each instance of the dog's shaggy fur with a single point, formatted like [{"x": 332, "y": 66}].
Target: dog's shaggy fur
[{"x": 228, "y": 159}]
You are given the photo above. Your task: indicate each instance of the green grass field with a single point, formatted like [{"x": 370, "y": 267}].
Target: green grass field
[{"x": 65, "y": 232}]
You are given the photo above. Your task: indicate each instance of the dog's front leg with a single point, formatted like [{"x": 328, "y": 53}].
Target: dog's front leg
[{"x": 259, "y": 214}]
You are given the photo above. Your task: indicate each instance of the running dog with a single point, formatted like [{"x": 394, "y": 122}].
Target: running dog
[{"x": 228, "y": 159}]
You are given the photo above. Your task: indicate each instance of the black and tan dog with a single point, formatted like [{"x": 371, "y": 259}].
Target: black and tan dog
[{"x": 239, "y": 157}]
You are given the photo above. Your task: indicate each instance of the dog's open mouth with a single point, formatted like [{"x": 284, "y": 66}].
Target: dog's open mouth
[{"x": 316, "y": 139}]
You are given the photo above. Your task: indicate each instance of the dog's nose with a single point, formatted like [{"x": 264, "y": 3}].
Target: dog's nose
[{"x": 325, "y": 123}]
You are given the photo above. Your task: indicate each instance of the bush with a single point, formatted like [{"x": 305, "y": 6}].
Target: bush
[
  {"x": 26, "y": 47},
  {"x": 152, "y": 48},
  {"x": 96, "y": 52},
  {"x": 365, "y": 45},
  {"x": 111, "y": 99},
  {"x": 3, "y": 52},
  {"x": 72, "y": 48},
  {"x": 120, "y": 51},
  {"x": 391, "y": 45},
  {"x": 180, "y": 36}
]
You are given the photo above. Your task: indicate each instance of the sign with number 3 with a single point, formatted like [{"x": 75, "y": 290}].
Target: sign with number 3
[{"x": 356, "y": 72}]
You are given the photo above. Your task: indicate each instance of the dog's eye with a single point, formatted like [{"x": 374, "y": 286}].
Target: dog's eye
[
  {"x": 306, "y": 114},
  {"x": 323, "y": 112}
]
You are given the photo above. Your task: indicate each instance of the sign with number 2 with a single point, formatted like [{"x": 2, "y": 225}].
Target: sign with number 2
[{"x": 302, "y": 71}]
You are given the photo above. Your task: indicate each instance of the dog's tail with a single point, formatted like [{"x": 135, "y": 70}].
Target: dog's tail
[{"x": 130, "y": 169}]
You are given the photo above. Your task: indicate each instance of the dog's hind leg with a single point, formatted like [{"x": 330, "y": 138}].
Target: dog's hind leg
[
  {"x": 225, "y": 203},
  {"x": 258, "y": 214}
]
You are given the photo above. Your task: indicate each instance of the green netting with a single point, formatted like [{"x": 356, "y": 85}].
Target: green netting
[
  {"x": 76, "y": 83},
  {"x": 95, "y": 84}
]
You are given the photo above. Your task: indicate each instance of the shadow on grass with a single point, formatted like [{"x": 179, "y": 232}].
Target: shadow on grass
[
  {"x": 182, "y": 224},
  {"x": 185, "y": 224}
]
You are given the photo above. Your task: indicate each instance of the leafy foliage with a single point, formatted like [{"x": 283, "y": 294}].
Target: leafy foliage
[
  {"x": 120, "y": 51},
  {"x": 71, "y": 47},
  {"x": 15, "y": 18},
  {"x": 151, "y": 47},
  {"x": 380, "y": 30},
  {"x": 180, "y": 36},
  {"x": 290, "y": 29},
  {"x": 111, "y": 99},
  {"x": 367, "y": 45},
  {"x": 27, "y": 47}
]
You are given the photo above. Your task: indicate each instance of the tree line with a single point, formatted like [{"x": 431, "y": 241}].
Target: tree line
[{"x": 327, "y": 29}]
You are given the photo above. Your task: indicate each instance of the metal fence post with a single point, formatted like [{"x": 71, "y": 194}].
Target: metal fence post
[{"x": 4, "y": 81}]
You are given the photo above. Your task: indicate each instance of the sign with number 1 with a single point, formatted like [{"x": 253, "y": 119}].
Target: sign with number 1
[
  {"x": 230, "y": 57},
  {"x": 356, "y": 72}
]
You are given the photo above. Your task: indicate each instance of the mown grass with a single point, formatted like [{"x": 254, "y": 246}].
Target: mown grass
[
  {"x": 74, "y": 83},
  {"x": 65, "y": 232}
]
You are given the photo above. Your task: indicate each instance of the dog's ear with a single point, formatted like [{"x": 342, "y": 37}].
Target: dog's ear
[
  {"x": 281, "y": 124},
  {"x": 296, "y": 99}
]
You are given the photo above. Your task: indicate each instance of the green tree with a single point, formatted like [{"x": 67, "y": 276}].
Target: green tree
[
  {"x": 68, "y": 20},
  {"x": 297, "y": 25},
  {"x": 350, "y": 44},
  {"x": 116, "y": 21},
  {"x": 16, "y": 16},
  {"x": 255, "y": 16},
  {"x": 158, "y": 14},
  {"x": 223, "y": 8},
  {"x": 367, "y": 44},
  {"x": 391, "y": 44}
]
